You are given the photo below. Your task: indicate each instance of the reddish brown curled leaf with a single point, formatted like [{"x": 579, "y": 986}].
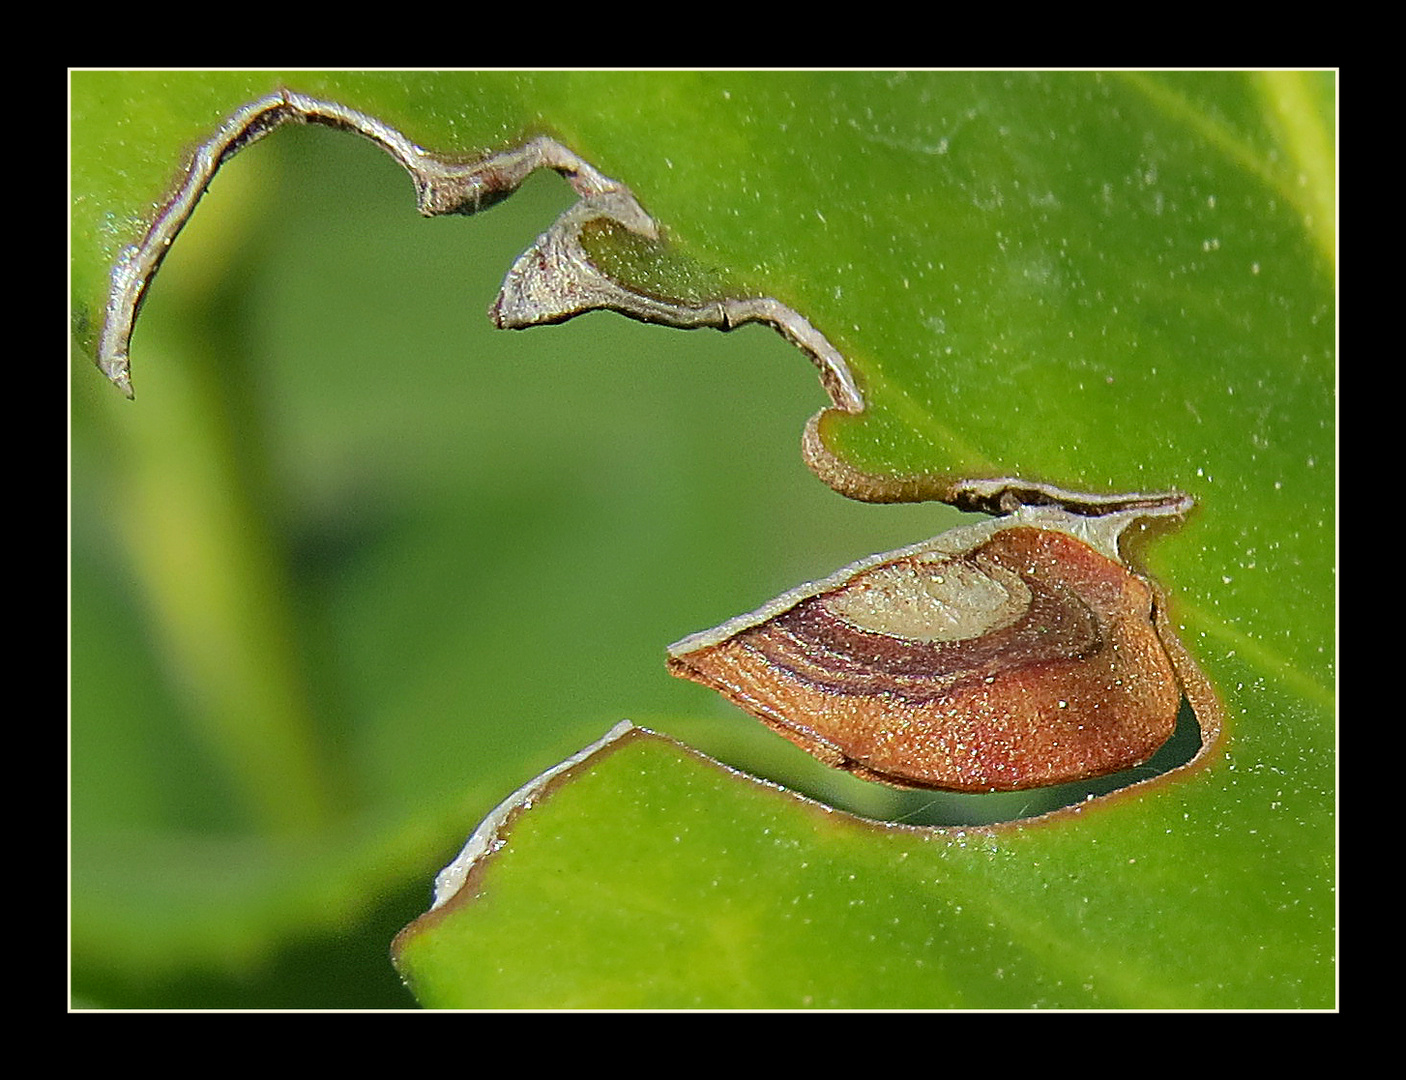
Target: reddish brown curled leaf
[{"x": 1006, "y": 655}]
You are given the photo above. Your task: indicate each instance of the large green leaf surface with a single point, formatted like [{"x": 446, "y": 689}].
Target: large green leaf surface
[{"x": 354, "y": 566}]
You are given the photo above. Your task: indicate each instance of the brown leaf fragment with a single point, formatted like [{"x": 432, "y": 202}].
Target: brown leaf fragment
[{"x": 1011, "y": 654}]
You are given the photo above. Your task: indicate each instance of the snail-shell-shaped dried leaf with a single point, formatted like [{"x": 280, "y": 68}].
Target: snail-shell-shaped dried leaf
[{"x": 994, "y": 658}]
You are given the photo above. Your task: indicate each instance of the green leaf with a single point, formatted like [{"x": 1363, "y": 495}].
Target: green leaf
[
  {"x": 354, "y": 566},
  {"x": 656, "y": 879}
]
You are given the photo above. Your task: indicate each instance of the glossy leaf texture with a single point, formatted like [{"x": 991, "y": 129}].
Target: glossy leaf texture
[
  {"x": 353, "y": 566},
  {"x": 633, "y": 902}
]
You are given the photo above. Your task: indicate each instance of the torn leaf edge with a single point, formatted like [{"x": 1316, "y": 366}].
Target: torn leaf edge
[
  {"x": 459, "y": 882},
  {"x": 551, "y": 282},
  {"x": 555, "y": 280},
  {"x": 566, "y": 282}
]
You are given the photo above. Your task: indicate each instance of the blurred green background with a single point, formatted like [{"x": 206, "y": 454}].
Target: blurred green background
[{"x": 444, "y": 557}]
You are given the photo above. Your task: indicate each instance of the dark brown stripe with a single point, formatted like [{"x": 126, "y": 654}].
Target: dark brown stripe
[{"x": 818, "y": 647}]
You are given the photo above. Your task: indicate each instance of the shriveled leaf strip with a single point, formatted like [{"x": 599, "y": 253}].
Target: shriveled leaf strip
[{"x": 565, "y": 283}]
